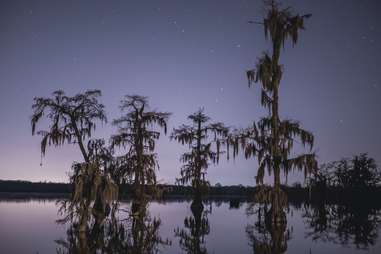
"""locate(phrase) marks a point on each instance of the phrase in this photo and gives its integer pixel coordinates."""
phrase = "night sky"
(184, 55)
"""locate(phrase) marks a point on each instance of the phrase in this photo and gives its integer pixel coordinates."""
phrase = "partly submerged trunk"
(197, 196)
(275, 149)
(276, 216)
(83, 242)
(85, 204)
(100, 208)
(84, 215)
(197, 207)
(197, 210)
(139, 211)
(277, 243)
(277, 213)
(139, 181)
(279, 239)
(138, 208)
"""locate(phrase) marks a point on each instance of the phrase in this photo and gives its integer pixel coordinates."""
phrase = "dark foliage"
(131, 233)
(349, 224)
(192, 235)
(137, 136)
(265, 238)
(201, 136)
(272, 139)
(358, 174)
(72, 119)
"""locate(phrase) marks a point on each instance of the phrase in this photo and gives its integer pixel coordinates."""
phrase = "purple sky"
(184, 55)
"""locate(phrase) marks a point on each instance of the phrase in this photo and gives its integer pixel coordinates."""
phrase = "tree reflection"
(137, 233)
(343, 224)
(196, 227)
(266, 237)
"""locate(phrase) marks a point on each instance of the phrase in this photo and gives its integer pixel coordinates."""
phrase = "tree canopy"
(137, 136)
(72, 118)
(359, 172)
(200, 137)
(272, 139)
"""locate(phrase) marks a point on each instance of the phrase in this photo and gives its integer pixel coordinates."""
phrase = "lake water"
(28, 226)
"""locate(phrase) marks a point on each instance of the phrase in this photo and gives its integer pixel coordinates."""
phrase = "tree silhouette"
(137, 136)
(200, 136)
(93, 182)
(358, 173)
(271, 140)
(137, 233)
(264, 240)
(72, 120)
(192, 236)
(350, 224)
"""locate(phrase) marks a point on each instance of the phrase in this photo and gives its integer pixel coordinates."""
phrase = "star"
(238, 45)
(183, 30)
(211, 50)
(221, 89)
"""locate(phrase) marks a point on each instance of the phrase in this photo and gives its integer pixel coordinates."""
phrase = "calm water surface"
(30, 227)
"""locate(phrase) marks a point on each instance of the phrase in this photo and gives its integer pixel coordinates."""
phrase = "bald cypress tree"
(72, 119)
(271, 139)
(200, 137)
(137, 135)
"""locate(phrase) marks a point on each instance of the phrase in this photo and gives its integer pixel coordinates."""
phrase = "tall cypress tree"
(201, 136)
(136, 133)
(271, 139)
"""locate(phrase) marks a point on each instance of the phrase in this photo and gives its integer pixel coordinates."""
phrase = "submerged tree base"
(276, 220)
(197, 207)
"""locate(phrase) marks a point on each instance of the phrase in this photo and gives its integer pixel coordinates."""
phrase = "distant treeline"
(296, 193)
(125, 189)
(39, 187)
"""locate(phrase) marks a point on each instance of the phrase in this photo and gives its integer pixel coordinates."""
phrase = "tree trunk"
(80, 141)
(276, 209)
(85, 205)
(83, 216)
(83, 243)
(197, 194)
(197, 215)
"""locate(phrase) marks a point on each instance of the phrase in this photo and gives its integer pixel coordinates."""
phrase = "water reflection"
(266, 237)
(136, 233)
(356, 224)
(196, 227)
(173, 228)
